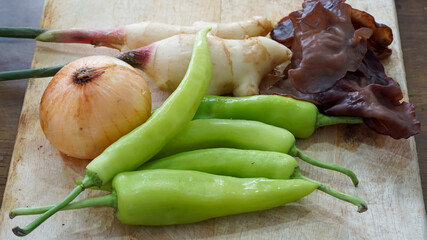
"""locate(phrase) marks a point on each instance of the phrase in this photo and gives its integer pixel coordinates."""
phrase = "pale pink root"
(113, 38)
(138, 57)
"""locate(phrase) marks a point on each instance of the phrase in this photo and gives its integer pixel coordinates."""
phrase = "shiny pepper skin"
(165, 197)
(301, 118)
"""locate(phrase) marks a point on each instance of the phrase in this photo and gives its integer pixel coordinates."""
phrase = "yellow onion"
(92, 102)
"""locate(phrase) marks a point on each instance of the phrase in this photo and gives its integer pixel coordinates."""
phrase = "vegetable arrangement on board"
(211, 156)
(151, 139)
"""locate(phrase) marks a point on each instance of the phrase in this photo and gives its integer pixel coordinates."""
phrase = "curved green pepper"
(241, 134)
(138, 146)
(165, 197)
(301, 118)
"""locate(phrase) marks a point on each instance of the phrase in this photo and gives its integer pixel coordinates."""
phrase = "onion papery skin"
(80, 118)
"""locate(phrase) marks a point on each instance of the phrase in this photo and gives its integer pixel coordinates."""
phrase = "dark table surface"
(17, 54)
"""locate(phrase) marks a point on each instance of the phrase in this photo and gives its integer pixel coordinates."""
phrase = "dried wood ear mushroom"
(353, 84)
(381, 38)
(325, 46)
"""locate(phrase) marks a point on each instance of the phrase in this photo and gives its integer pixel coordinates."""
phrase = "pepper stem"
(105, 187)
(323, 120)
(21, 32)
(30, 227)
(30, 73)
(360, 203)
(88, 181)
(294, 151)
(109, 200)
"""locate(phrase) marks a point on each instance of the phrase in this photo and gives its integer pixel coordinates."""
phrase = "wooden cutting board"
(387, 168)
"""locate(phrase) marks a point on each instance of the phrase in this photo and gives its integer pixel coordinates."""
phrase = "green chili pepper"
(301, 118)
(138, 146)
(238, 163)
(226, 161)
(165, 197)
(229, 162)
(241, 134)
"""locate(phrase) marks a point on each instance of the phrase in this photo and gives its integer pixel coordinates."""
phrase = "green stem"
(109, 200)
(105, 187)
(323, 120)
(298, 153)
(361, 205)
(30, 73)
(88, 181)
(41, 72)
(30, 227)
(21, 32)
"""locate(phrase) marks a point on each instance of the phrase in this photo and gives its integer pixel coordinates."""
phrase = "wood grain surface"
(388, 169)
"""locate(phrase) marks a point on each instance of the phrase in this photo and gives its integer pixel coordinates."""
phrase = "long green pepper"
(301, 118)
(165, 197)
(241, 134)
(138, 146)
(226, 161)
